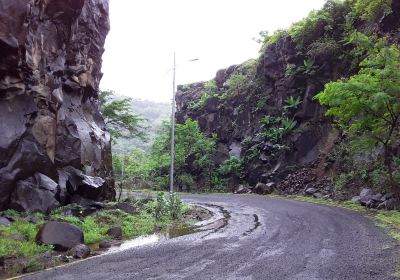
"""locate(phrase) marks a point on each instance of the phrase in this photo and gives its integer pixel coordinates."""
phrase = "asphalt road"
(254, 237)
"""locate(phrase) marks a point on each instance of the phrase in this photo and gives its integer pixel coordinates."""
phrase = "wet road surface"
(254, 237)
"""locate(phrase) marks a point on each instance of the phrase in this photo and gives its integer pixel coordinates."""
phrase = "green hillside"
(154, 113)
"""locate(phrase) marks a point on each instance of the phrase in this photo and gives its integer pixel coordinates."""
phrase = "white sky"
(145, 33)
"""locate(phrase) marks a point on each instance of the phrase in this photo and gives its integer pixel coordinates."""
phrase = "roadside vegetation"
(22, 253)
(388, 220)
(362, 99)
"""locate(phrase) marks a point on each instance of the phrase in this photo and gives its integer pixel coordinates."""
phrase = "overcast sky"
(145, 33)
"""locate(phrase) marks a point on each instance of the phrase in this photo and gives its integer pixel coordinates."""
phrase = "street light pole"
(171, 172)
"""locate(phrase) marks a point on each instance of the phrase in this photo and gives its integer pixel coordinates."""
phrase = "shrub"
(167, 206)
(236, 83)
(267, 40)
(366, 106)
(193, 151)
(324, 47)
(232, 166)
(372, 10)
(210, 90)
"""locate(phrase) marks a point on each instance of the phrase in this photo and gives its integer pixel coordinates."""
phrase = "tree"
(193, 160)
(119, 118)
(367, 106)
(135, 164)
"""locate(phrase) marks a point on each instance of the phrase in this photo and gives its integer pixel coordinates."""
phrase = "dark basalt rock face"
(236, 114)
(52, 134)
(236, 118)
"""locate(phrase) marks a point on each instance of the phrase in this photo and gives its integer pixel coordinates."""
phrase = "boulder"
(366, 200)
(29, 197)
(261, 188)
(91, 187)
(83, 187)
(105, 244)
(366, 192)
(45, 182)
(126, 207)
(84, 202)
(317, 195)
(115, 232)
(63, 236)
(310, 191)
(387, 196)
(80, 251)
(11, 218)
(377, 197)
(4, 222)
(242, 189)
(390, 204)
(32, 219)
(356, 198)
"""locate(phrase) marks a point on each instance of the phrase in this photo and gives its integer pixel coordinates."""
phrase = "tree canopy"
(194, 153)
(119, 118)
(367, 105)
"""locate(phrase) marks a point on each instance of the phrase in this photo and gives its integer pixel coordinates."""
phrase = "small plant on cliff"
(265, 39)
(307, 70)
(292, 103)
(231, 166)
(210, 90)
(236, 83)
(367, 106)
(261, 103)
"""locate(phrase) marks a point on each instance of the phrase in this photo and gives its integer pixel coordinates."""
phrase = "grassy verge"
(21, 227)
(388, 220)
(143, 222)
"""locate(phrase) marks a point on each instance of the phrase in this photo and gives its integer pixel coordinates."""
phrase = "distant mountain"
(155, 113)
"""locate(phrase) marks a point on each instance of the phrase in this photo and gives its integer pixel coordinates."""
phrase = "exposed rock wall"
(237, 116)
(244, 95)
(53, 144)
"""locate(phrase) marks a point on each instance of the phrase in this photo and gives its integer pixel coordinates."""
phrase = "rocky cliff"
(263, 110)
(54, 147)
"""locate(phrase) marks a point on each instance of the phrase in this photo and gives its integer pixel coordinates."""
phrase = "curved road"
(254, 237)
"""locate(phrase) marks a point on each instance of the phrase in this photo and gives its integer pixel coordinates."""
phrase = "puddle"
(179, 230)
(176, 230)
(171, 231)
(137, 242)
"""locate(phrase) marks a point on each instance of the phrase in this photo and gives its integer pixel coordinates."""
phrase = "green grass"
(390, 221)
(133, 225)
(94, 227)
(14, 248)
(344, 204)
